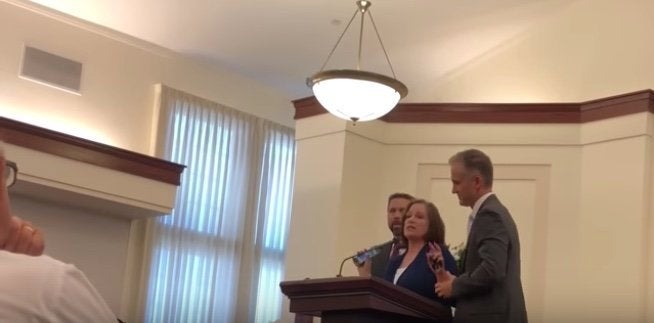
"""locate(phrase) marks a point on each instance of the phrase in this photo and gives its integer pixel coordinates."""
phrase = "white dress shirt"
(475, 209)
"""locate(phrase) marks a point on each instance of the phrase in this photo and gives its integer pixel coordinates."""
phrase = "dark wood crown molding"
(618, 105)
(593, 110)
(67, 146)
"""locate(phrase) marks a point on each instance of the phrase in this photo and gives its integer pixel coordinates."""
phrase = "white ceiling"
(282, 42)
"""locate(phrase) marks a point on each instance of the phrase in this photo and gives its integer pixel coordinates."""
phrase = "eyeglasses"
(11, 169)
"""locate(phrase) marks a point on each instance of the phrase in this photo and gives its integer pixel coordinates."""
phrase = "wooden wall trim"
(618, 105)
(484, 113)
(67, 146)
(580, 112)
(307, 107)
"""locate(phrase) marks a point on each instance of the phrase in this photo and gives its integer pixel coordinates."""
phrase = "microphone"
(360, 258)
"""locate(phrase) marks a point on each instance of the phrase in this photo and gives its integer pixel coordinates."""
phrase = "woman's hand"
(444, 278)
(435, 258)
(364, 269)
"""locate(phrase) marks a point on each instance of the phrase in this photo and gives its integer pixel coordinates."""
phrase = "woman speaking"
(422, 224)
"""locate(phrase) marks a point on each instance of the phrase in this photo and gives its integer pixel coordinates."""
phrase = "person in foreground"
(489, 288)
(35, 287)
(422, 225)
(395, 208)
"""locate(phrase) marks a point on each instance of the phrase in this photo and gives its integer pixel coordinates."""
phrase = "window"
(219, 256)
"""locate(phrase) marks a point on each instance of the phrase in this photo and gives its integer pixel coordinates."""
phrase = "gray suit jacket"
(380, 261)
(490, 289)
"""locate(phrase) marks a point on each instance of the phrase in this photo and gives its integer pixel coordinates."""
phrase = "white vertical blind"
(274, 213)
(219, 256)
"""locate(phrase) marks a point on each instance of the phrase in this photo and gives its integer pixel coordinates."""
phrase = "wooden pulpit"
(364, 300)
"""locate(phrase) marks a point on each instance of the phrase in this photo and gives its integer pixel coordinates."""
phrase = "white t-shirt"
(42, 289)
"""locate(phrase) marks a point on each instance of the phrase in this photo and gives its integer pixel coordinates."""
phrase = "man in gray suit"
(395, 208)
(489, 288)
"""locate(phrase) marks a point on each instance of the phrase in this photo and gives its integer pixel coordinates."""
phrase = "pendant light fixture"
(357, 95)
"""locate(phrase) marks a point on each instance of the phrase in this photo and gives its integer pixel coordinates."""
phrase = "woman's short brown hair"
(436, 229)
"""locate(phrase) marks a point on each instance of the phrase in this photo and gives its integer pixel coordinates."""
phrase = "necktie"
(395, 250)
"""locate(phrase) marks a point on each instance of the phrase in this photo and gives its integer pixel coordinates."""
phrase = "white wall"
(119, 73)
(648, 192)
(336, 196)
(616, 191)
(580, 194)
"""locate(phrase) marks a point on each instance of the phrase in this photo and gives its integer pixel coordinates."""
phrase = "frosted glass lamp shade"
(356, 95)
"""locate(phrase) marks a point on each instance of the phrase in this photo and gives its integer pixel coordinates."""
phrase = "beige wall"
(580, 195)
(592, 49)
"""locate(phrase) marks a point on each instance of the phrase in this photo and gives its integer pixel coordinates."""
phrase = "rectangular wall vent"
(50, 69)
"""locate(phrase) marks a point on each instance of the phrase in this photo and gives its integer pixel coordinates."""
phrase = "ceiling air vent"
(52, 70)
